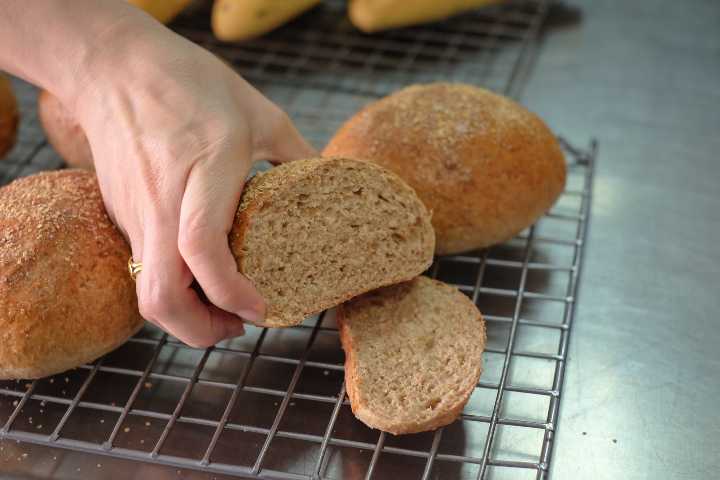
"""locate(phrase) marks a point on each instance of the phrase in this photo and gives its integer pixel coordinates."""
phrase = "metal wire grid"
(323, 50)
(167, 385)
(258, 405)
(320, 69)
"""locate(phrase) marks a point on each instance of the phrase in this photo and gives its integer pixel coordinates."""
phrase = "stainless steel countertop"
(641, 386)
(641, 383)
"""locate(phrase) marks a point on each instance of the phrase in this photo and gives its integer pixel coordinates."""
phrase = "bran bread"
(484, 165)
(63, 132)
(9, 116)
(413, 355)
(313, 233)
(65, 294)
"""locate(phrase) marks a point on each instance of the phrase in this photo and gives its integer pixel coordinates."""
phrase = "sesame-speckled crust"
(65, 295)
(9, 116)
(484, 165)
(63, 132)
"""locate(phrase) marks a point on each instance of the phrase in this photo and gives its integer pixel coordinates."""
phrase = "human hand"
(173, 133)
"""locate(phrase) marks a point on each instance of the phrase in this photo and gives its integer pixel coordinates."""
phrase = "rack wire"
(272, 404)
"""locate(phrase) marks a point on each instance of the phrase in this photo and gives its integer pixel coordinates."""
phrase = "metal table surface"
(641, 386)
(642, 77)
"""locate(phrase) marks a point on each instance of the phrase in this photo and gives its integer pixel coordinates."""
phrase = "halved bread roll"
(413, 355)
(311, 234)
(9, 116)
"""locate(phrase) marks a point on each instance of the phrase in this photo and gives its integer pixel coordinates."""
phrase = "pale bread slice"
(413, 355)
(311, 234)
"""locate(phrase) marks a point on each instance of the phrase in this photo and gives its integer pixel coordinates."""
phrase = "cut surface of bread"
(65, 294)
(413, 355)
(311, 234)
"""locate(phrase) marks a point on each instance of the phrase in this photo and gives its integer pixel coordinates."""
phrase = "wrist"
(103, 57)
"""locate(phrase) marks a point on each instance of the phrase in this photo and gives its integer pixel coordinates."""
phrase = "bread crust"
(372, 16)
(485, 166)
(9, 116)
(239, 20)
(264, 188)
(163, 11)
(65, 295)
(359, 403)
(63, 132)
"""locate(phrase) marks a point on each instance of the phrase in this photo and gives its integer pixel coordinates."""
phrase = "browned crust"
(63, 132)
(484, 165)
(357, 403)
(268, 185)
(9, 116)
(65, 295)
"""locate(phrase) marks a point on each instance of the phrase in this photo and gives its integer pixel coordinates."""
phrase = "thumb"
(279, 141)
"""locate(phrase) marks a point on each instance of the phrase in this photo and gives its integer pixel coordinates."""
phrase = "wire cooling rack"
(272, 404)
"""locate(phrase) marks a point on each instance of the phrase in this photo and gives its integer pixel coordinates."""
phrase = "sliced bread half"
(413, 355)
(311, 234)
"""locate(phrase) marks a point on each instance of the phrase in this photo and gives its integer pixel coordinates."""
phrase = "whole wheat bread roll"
(66, 297)
(63, 132)
(311, 234)
(9, 116)
(484, 165)
(413, 355)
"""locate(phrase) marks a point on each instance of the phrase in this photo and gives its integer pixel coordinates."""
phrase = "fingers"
(208, 209)
(166, 296)
(278, 141)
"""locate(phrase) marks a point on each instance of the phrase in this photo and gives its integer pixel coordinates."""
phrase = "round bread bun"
(9, 116)
(484, 165)
(66, 297)
(63, 132)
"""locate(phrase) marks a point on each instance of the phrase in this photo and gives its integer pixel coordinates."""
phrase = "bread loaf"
(65, 294)
(485, 166)
(311, 234)
(63, 132)
(413, 355)
(163, 10)
(373, 15)
(236, 20)
(9, 116)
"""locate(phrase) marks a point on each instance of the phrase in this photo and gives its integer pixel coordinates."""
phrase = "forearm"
(55, 44)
